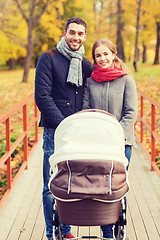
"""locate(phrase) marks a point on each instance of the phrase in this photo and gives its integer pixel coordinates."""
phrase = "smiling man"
(59, 84)
(75, 35)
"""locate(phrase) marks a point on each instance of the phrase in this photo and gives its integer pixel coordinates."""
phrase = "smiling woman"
(103, 56)
(112, 89)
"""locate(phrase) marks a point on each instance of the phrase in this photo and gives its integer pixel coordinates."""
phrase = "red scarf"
(107, 74)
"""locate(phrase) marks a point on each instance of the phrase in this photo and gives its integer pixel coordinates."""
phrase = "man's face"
(75, 36)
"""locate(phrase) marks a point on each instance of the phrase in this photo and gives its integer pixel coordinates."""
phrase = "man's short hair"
(76, 20)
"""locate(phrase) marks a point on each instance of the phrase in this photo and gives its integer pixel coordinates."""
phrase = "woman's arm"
(130, 106)
(86, 96)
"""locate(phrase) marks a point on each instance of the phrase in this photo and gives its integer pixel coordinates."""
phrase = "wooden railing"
(5, 120)
(147, 128)
(146, 123)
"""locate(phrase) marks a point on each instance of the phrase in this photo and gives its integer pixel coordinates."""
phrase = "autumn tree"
(137, 35)
(120, 47)
(51, 25)
(99, 8)
(11, 42)
(31, 12)
(82, 9)
(156, 59)
(157, 22)
(44, 21)
(144, 42)
(149, 34)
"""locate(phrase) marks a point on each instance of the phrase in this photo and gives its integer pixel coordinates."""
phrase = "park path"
(21, 216)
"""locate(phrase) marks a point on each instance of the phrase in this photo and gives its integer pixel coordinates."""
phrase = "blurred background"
(30, 27)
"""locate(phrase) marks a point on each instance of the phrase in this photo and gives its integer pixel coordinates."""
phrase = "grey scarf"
(75, 57)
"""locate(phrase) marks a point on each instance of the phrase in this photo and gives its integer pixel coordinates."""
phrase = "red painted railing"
(22, 138)
(142, 125)
(147, 128)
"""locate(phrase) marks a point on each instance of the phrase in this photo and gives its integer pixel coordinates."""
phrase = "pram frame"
(122, 218)
(57, 235)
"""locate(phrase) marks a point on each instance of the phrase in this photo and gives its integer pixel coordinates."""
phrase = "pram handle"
(96, 110)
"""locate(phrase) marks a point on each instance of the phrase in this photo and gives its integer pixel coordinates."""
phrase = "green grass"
(147, 79)
(12, 90)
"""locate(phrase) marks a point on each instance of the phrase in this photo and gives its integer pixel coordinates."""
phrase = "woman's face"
(103, 56)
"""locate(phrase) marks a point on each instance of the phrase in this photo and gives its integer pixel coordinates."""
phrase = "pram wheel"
(122, 221)
(122, 237)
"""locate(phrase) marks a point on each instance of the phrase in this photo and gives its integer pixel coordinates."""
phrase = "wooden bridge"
(21, 216)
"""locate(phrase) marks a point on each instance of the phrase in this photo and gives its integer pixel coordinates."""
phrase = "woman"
(112, 88)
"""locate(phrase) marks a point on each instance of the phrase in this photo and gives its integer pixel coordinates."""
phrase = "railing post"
(141, 115)
(9, 175)
(7, 156)
(150, 126)
(152, 137)
(25, 140)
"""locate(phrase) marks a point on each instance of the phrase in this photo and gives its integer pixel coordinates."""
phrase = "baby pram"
(89, 179)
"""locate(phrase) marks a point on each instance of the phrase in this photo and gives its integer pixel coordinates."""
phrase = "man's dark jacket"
(55, 98)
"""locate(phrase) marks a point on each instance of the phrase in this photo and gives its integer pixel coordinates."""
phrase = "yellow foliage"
(100, 16)
(13, 33)
(8, 49)
(45, 47)
(51, 20)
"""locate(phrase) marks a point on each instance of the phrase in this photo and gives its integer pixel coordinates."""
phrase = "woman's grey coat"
(118, 97)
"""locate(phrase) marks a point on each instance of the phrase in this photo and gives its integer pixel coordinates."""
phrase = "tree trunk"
(29, 52)
(95, 16)
(136, 40)
(59, 25)
(120, 48)
(100, 15)
(11, 63)
(144, 54)
(31, 22)
(156, 60)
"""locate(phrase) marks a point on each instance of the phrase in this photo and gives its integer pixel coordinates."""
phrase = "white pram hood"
(89, 134)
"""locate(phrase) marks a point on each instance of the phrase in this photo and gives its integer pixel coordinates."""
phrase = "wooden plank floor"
(21, 217)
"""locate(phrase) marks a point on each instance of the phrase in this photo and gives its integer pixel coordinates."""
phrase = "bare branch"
(37, 18)
(33, 8)
(11, 36)
(21, 10)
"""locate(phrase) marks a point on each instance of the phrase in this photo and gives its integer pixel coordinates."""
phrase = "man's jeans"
(128, 152)
(111, 230)
(48, 149)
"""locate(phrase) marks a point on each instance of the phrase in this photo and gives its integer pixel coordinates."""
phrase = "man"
(59, 83)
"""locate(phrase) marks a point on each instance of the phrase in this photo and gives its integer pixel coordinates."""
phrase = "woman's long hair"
(117, 61)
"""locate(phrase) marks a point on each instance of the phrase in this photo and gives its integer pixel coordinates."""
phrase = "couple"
(66, 82)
